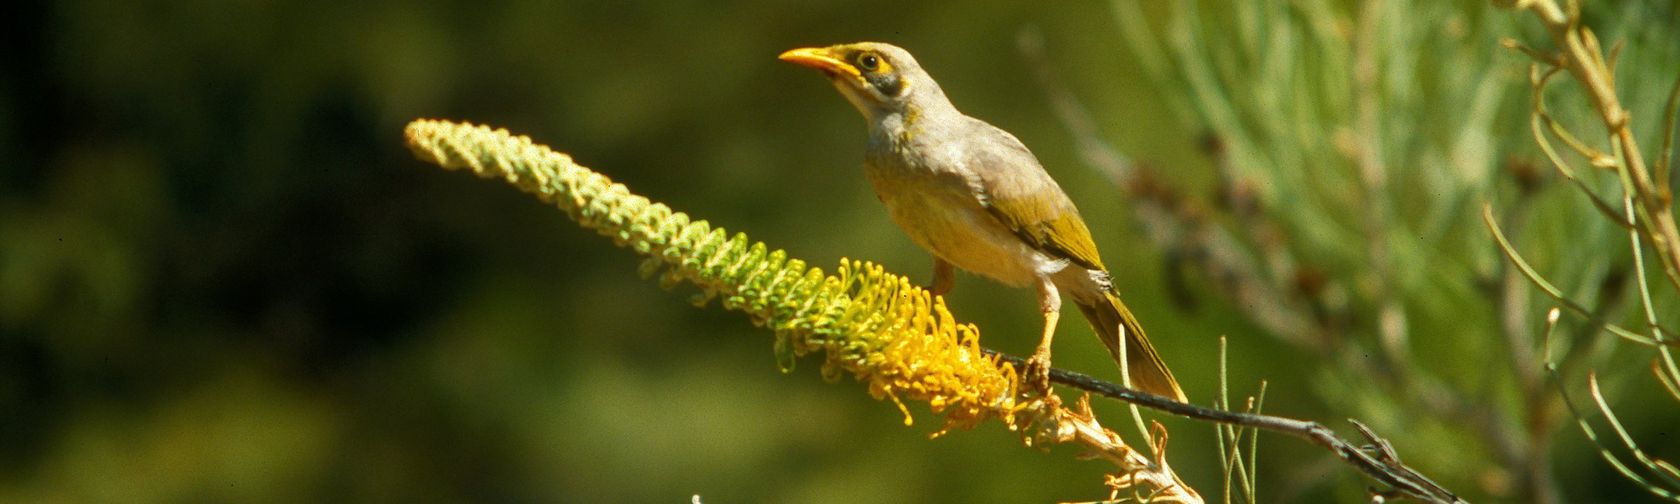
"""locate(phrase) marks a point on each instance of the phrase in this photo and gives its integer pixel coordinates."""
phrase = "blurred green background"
(223, 278)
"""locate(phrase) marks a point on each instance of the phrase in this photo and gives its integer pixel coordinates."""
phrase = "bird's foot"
(1036, 373)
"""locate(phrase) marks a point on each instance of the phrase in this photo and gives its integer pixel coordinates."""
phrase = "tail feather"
(1149, 373)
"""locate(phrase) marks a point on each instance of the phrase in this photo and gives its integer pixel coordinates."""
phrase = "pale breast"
(940, 214)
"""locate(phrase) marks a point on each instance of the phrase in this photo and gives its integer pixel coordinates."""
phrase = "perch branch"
(1376, 459)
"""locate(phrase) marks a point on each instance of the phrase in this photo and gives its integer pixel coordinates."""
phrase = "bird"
(973, 196)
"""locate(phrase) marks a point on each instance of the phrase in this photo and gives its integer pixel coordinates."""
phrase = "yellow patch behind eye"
(884, 67)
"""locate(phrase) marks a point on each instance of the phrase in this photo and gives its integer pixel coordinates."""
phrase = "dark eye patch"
(887, 83)
(878, 72)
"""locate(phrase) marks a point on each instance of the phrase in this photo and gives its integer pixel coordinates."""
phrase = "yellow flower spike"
(898, 339)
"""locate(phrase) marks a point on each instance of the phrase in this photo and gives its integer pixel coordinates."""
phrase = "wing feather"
(1014, 188)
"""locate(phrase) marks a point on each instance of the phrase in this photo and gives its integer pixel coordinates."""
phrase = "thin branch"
(1376, 459)
(1538, 81)
(1604, 451)
(1627, 440)
(1583, 57)
(1231, 461)
(1525, 448)
(1552, 290)
(1514, 315)
(1666, 154)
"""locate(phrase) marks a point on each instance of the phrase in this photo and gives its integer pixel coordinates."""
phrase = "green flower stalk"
(878, 326)
(881, 328)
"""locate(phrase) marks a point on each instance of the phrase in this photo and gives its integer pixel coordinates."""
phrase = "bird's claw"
(1036, 373)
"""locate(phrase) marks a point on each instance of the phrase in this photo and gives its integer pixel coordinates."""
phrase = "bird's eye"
(869, 62)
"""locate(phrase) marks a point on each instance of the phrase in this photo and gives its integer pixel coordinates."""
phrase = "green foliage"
(1353, 144)
(1647, 216)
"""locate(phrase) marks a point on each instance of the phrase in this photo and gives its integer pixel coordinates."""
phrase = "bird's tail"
(1148, 372)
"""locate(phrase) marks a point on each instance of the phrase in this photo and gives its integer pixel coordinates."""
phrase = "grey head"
(881, 80)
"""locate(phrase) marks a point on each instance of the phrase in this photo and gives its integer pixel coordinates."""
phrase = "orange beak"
(821, 59)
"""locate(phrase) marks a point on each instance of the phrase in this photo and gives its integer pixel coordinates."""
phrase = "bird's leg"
(943, 277)
(1037, 372)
